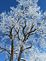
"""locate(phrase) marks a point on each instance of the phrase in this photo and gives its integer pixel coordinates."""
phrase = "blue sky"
(2, 57)
(42, 4)
(5, 6)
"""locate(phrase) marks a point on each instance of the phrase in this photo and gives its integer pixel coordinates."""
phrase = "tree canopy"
(22, 31)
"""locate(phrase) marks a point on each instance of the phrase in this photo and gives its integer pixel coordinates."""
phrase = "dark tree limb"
(4, 49)
(23, 59)
(12, 51)
(27, 48)
(29, 33)
(12, 45)
(26, 36)
(20, 53)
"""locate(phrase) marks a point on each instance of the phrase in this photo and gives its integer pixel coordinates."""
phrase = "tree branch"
(29, 33)
(27, 48)
(20, 53)
(4, 49)
(23, 59)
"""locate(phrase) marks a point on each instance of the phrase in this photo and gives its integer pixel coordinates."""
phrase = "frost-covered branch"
(28, 48)
(4, 49)
(26, 36)
(24, 25)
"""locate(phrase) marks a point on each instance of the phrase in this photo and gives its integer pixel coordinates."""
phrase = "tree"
(19, 26)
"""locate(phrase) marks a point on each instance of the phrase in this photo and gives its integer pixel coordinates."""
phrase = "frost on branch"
(25, 26)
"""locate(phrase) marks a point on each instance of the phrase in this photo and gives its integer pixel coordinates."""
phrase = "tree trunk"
(12, 45)
(12, 51)
(21, 50)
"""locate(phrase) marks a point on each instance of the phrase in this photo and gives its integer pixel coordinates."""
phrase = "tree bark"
(12, 51)
(20, 53)
(12, 45)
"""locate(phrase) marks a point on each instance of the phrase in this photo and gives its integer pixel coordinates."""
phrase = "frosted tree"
(18, 29)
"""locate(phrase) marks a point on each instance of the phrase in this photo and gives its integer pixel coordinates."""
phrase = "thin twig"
(4, 49)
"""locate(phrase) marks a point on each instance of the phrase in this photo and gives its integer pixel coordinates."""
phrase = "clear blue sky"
(42, 4)
(5, 6)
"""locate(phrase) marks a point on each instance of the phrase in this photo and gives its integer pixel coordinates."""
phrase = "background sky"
(5, 6)
(42, 4)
